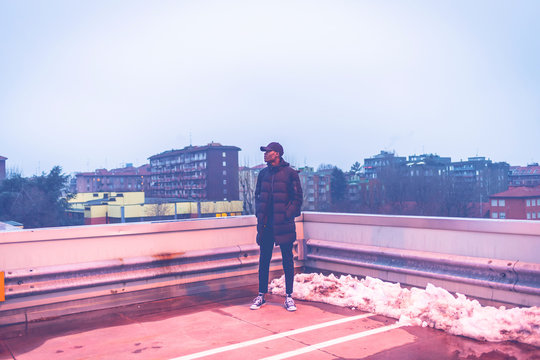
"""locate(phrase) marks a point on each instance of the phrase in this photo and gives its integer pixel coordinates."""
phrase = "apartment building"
(375, 164)
(208, 172)
(482, 175)
(524, 175)
(128, 178)
(316, 188)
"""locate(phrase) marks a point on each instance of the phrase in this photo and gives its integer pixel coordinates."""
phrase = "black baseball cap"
(273, 146)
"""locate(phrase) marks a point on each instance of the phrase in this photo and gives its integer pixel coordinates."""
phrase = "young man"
(278, 199)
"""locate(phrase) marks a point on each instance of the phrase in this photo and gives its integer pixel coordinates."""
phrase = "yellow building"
(118, 207)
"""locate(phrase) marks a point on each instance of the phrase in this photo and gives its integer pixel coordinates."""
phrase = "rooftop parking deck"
(220, 325)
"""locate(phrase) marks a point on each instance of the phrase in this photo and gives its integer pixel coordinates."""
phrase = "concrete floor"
(174, 328)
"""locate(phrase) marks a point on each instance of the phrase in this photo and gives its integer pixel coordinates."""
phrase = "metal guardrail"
(512, 276)
(23, 283)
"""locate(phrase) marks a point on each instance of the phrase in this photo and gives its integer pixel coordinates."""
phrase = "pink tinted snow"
(434, 306)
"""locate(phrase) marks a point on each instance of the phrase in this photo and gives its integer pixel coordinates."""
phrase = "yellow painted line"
(271, 337)
(2, 287)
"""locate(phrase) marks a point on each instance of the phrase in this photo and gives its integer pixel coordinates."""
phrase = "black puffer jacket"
(278, 199)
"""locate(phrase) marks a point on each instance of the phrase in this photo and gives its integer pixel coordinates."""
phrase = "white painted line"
(340, 340)
(271, 337)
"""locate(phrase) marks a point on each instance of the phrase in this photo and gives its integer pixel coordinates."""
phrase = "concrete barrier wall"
(487, 238)
(61, 265)
(492, 259)
(53, 272)
(82, 244)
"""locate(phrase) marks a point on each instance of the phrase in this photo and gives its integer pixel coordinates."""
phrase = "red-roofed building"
(129, 178)
(524, 175)
(516, 203)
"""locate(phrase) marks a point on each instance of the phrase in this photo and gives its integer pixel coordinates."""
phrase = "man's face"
(270, 156)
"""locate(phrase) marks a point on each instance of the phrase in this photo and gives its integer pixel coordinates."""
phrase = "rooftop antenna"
(190, 142)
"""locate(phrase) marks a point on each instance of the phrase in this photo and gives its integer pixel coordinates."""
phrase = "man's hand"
(258, 239)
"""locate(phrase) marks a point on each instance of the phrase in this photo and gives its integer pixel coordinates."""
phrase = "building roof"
(3, 158)
(189, 149)
(524, 170)
(519, 192)
(126, 171)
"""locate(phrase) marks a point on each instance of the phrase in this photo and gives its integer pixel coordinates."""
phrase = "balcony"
(73, 271)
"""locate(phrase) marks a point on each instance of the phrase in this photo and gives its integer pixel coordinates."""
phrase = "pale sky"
(97, 84)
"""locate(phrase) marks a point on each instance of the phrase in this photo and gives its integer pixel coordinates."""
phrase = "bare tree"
(159, 210)
(247, 179)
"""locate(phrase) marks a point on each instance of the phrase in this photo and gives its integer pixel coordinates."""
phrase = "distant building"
(207, 172)
(428, 165)
(121, 207)
(357, 187)
(316, 188)
(482, 176)
(2, 167)
(516, 203)
(524, 175)
(129, 178)
(374, 165)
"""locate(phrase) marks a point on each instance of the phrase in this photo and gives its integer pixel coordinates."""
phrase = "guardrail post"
(2, 287)
(301, 249)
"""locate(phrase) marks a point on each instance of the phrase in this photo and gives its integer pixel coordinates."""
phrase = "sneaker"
(257, 302)
(289, 304)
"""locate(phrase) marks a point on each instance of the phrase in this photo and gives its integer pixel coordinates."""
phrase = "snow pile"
(434, 307)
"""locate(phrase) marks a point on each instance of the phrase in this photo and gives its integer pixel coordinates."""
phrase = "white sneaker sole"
(254, 307)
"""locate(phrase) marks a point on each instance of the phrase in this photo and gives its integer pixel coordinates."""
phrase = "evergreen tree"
(39, 201)
(338, 185)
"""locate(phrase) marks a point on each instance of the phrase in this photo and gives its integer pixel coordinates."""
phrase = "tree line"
(37, 201)
(396, 193)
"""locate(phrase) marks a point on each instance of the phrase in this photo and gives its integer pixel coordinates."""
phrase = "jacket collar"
(282, 163)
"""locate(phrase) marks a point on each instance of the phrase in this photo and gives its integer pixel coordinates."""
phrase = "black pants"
(265, 256)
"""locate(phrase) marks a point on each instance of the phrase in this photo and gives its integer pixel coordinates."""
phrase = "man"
(278, 199)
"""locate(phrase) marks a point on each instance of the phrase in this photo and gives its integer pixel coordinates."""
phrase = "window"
(533, 202)
(502, 215)
(528, 203)
(528, 215)
(495, 215)
(224, 172)
(224, 191)
(501, 202)
(494, 202)
(224, 163)
(225, 182)
(224, 154)
(534, 215)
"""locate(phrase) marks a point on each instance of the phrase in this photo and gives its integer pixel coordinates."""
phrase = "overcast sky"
(97, 84)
